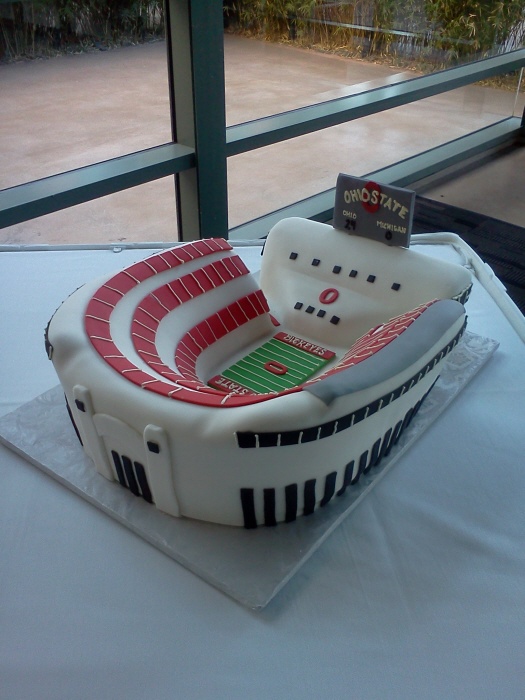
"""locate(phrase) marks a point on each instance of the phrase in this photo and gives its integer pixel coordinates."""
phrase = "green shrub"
(45, 27)
(481, 26)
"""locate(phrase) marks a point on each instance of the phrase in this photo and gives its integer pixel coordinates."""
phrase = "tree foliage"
(482, 25)
(448, 29)
(43, 27)
(453, 28)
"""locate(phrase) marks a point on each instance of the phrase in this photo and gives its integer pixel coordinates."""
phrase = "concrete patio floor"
(66, 112)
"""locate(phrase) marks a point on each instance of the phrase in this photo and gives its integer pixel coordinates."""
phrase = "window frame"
(197, 157)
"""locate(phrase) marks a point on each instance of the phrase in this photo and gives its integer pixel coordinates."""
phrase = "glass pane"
(284, 173)
(301, 53)
(78, 103)
(140, 214)
(519, 103)
(264, 78)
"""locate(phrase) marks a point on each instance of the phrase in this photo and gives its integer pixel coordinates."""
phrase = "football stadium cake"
(221, 398)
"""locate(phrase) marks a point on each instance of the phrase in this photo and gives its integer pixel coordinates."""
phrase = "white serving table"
(419, 593)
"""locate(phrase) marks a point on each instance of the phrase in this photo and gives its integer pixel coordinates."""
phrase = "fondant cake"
(220, 398)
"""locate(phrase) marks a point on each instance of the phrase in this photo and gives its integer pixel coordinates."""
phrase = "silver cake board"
(251, 566)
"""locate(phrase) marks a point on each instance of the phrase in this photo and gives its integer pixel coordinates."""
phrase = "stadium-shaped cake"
(217, 397)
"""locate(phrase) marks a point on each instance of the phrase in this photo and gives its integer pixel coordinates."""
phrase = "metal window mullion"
(47, 195)
(196, 74)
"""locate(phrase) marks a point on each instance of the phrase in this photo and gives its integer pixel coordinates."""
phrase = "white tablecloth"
(420, 593)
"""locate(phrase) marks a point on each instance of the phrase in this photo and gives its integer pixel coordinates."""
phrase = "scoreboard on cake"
(381, 212)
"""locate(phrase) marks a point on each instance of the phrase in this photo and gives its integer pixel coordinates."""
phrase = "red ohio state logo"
(275, 367)
(328, 296)
(371, 197)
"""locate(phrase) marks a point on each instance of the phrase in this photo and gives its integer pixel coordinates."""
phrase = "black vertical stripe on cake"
(368, 463)
(268, 439)
(385, 444)
(326, 430)
(390, 441)
(130, 475)
(118, 468)
(269, 507)
(143, 482)
(349, 470)
(309, 434)
(397, 432)
(415, 409)
(374, 457)
(329, 488)
(309, 497)
(344, 422)
(70, 414)
(407, 418)
(361, 467)
(247, 439)
(291, 437)
(248, 508)
(417, 406)
(290, 495)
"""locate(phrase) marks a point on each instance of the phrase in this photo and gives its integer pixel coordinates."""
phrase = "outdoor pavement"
(66, 112)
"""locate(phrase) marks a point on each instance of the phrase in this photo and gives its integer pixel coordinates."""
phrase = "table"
(418, 594)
